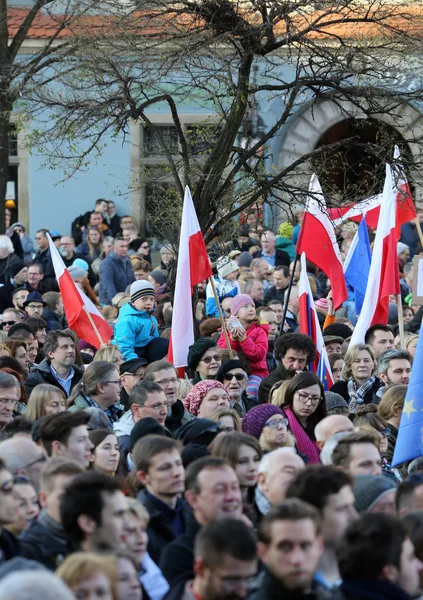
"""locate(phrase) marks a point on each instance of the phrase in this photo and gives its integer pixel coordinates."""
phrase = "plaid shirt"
(113, 412)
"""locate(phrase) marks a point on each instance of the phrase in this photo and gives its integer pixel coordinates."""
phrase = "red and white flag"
(193, 268)
(77, 304)
(406, 211)
(318, 240)
(309, 324)
(383, 275)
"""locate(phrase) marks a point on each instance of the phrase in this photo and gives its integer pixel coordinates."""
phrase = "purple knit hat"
(256, 418)
(240, 301)
(195, 397)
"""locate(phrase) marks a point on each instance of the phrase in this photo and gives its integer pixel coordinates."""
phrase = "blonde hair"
(227, 412)
(4, 348)
(277, 394)
(410, 338)
(106, 353)
(40, 396)
(351, 355)
(184, 387)
(289, 442)
(392, 399)
(139, 511)
(82, 566)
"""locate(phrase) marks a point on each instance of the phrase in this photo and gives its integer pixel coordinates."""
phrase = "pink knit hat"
(322, 304)
(195, 397)
(240, 301)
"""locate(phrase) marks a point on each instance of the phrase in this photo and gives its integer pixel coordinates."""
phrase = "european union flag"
(357, 265)
(410, 435)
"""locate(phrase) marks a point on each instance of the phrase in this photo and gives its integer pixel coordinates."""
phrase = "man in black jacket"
(289, 546)
(159, 467)
(268, 251)
(234, 377)
(45, 540)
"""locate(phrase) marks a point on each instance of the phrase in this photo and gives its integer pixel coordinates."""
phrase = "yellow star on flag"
(409, 408)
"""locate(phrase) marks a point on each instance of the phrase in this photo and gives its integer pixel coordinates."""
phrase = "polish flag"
(77, 305)
(309, 324)
(318, 240)
(193, 268)
(406, 211)
(383, 275)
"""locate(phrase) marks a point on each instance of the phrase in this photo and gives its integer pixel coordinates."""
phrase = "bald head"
(328, 426)
(19, 452)
(276, 471)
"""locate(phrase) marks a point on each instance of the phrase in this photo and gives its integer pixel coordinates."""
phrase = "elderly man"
(22, 456)
(233, 374)
(328, 426)
(268, 251)
(255, 290)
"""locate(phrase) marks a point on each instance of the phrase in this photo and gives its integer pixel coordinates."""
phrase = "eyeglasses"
(7, 487)
(10, 323)
(35, 306)
(210, 359)
(133, 374)
(167, 381)
(385, 432)
(276, 423)
(41, 459)
(304, 398)
(116, 381)
(230, 376)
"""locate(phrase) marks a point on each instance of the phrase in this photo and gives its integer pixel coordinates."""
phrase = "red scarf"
(304, 444)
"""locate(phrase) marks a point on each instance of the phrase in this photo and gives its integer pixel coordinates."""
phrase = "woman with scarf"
(359, 383)
(304, 406)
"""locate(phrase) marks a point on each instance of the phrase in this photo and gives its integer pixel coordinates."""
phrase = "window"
(152, 146)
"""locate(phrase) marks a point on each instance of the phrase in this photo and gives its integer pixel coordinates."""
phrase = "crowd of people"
(123, 478)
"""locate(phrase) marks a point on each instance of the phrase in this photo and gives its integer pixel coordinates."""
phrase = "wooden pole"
(222, 320)
(419, 231)
(94, 326)
(401, 321)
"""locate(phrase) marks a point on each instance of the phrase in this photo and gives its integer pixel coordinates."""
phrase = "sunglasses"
(238, 376)
(10, 323)
(210, 359)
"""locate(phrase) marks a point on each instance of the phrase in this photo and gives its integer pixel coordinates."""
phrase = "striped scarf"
(357, 394)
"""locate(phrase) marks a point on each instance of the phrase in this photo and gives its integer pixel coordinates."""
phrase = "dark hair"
(98, 435)
(413, 522)
(52, 339)
(8, 362)
(140, 391)
(149, 446)
(274, 302)
(35, 323)
(297, 341)
(333, 358)
(37, 264)
(316, 483)
(370, 333)
(367, 415)
(59, 427)
(225, 537)
(283, 268)
(342, 450)
(195, 468)
(154, 367)
(19, 329)
(405, 491)
(18, 425)
(45, 231)
(299, 382)
(228, 446)
(290, 510)
(84, 495)
(371, 543)
(18, 290)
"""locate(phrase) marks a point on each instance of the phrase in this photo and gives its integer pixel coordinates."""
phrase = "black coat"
(177, 559)
(267, 587)
(279, 374)
(40, 544)
(42, 374)
(372, 589)
(341, 388)
(9, 546)
(281, 258)
(160, 530)
(53, 320)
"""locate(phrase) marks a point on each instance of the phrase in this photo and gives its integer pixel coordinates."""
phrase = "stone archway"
(302, 134)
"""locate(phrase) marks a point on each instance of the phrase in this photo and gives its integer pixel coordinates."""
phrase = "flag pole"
(222, 320)
(291, 282)
(419, 231)
(401, 321)
(94, 326)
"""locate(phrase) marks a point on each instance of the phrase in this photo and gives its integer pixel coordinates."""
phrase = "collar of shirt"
(273, 255)
(57, 376)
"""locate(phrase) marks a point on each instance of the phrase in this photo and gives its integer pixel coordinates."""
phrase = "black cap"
(131, 366)
(143, 427)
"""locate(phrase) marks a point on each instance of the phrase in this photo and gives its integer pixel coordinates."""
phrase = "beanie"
(198, 348)
(245, 259)
(228, 366)
(77, 272)
(80, 262)
(143, 427)
(286, 230)
(322, 304)
(256, 418)
(158, 276)
(334, 400)
(141, 288)
(239, 301)
(369, 489)
(338, 329)
(225, 266)
(195, 397)
(15, 267)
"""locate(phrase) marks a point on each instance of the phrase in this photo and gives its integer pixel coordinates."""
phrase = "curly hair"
(297, 341)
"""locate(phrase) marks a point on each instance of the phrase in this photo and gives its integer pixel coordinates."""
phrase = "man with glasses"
(233, 374)
(35, 278)
(10, 394)
(9, 545)
(34, 305)
(22, 456)
(9, 318)
(131, 372)
(164, 374)
(146, 399)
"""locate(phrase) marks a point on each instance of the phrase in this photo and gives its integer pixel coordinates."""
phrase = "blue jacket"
(115, 276)
(135, 328)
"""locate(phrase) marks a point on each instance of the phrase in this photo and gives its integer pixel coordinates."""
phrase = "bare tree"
(233, 57)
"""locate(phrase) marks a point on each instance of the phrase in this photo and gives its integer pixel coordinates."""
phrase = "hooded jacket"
(115, 276)
(254, 347)
(134, 329)
(42, 374)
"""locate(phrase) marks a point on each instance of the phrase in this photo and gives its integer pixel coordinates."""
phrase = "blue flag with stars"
(410, 434)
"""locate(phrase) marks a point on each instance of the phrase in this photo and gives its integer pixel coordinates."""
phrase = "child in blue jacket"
(136, 331)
